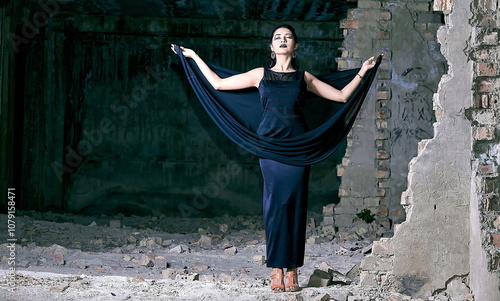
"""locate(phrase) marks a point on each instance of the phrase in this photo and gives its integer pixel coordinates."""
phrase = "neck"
(283, 63)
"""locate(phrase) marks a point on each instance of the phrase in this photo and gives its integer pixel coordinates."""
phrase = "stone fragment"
(259, 259)
(322, 297)
(58, 258)
(171, 273)
(127, 257)
(329, 210)
(336, 276)
(208, 278)
(93, 224)
(79, 264)
(187, 277)
(329, 231)
(367, 249)
(223, 228)
(328, 221)
(160, 262)
(179, 249)
(144, 260)
(147, 242)
(312, 240)
(138, 279)
(339, 278)
(166, 242)
(252, 242)
(132, 239)
(295, 298)
(319, 278)
(76, 284)
(225, 277)
(115, 223)
(230, 250)
(205, 240)
(58, 288)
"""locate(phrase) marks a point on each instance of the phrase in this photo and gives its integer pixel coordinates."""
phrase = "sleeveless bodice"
(281, 96)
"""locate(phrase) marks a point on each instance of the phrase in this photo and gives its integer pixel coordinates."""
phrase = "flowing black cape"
(238, 114)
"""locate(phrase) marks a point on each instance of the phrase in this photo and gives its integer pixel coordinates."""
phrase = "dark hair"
(272, 61)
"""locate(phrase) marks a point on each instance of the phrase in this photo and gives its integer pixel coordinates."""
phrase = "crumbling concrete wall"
(447, 245)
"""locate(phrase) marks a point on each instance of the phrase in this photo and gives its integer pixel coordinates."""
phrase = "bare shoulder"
(257, 74)
(308, 76)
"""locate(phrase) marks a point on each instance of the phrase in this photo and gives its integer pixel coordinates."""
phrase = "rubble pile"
(145, 257)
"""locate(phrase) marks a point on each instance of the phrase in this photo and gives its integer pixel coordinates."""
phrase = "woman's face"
(283, 42)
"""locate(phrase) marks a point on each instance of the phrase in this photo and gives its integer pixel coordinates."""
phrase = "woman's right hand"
(189, 53)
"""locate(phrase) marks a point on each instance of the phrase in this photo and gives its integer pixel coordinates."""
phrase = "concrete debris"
(145, 260)
(160, 262)
(259, 259)
(223, 228)
(59, 288)
(225, 277)
(179, 249)
(187, 277)
(325, 275)
(78, 264)
(230, 250)
(212, 251)
(172, 273)
(319, 279)
(323, 297)
(311, 240)
(147, 242)
(205, 240)
(58, 258)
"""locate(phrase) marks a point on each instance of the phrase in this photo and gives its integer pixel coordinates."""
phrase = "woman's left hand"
(369, 63)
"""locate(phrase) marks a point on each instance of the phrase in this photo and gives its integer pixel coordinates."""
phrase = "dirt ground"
(73, 257)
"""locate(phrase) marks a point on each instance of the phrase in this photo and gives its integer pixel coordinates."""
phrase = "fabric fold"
(238, 114)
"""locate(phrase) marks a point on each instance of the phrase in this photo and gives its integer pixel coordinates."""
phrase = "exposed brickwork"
(369, 13)
(485, 119)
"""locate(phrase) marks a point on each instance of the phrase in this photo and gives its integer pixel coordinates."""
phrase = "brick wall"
(399, 112)
(485, 54)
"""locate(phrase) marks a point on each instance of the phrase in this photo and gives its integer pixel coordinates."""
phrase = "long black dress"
(285, 186)
(274, 129)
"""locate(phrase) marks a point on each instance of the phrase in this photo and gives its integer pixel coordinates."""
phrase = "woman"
(281, 88)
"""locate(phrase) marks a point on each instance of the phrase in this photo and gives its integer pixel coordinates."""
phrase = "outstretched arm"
(324, 90)
(239, 81)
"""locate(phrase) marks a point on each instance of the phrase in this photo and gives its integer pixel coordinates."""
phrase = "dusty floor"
(72, 257)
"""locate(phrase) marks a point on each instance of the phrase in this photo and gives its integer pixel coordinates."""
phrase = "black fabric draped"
(238, 114)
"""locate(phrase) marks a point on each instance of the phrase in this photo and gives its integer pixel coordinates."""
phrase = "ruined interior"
(122, 188)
